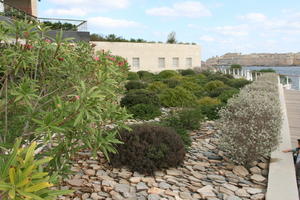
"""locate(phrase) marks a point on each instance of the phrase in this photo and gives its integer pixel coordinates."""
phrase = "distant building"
(154, 57)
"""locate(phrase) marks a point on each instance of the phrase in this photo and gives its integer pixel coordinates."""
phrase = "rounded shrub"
(145, 75)
(165, 74)
(177, 97)
(133, 85)
(212, 85)
(148, 148)
(133, 76)
(238, 83)
(171, 83)
(157, 87)
(218, 91)
(193, 87)
(227, 94)
(187, 72)
(251, 122)
(140, 96)
(184, 120)
(210, 107)
(235, 66)
(145, 111)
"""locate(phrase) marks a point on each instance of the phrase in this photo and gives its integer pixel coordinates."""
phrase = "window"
(189, 62)
(176, 62)
(136, 63)
(161, 62)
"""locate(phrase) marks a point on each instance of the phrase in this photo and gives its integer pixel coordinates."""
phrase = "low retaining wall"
(282, 183)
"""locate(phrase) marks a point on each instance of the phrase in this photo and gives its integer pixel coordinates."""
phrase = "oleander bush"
(157, 87)
(56, 92)
(177, 97)
(145, 111)
(148, 148)
(133, 76)
(251, 121)
(134, 85)
(140, 96)
(22, 176)
(210, 107)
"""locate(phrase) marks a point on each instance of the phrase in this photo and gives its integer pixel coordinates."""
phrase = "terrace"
(11, 9)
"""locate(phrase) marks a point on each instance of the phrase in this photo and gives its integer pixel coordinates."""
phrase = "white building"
(154, 57)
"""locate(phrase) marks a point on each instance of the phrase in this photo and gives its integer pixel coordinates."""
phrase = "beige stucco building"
(28, 6)
(154, 57)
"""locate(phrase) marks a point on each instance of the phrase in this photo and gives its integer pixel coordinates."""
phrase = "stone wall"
(262, 59)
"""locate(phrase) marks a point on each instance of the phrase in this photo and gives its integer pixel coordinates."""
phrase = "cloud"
(190, 9)
(62, 12)
(236, 31)
(97, 4)
(207, 38)
(82, 7)
(254, 17)
(105, 22)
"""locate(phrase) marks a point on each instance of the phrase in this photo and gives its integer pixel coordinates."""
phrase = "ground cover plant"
(58, 93)
(251, 121)
(148, 148)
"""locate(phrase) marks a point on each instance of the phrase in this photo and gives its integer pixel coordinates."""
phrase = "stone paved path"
(292, 99)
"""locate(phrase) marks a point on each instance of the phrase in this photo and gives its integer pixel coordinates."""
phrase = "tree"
(172, 38)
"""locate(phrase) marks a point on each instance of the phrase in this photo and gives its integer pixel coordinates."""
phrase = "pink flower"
(28, 46)
(96, 58)
(47, 40)
(77, 97)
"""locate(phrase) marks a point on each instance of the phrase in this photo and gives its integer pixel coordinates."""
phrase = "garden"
(77, 124)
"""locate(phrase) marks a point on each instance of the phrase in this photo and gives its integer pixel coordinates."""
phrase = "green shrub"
(139, 97)
(57, 91)
(149, 148)
(166, 74)
(212, 85)
(227, 94)
(177, 97)
(145, 75)
(251, 122)
(210, 107)
(133, 76)
(219, 77)
(187, 72)
(193, 87)
(182, 121)
(145, 111)
(267, 70)
(235, 66)
(238, 83)
(218, 91)
(171, 83)
(134, 85)
(22, 176)
(157, 87)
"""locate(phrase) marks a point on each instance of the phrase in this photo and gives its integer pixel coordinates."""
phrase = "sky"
(219, 26)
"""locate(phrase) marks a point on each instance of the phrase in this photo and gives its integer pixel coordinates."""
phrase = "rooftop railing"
(13, 12)
(65, 24)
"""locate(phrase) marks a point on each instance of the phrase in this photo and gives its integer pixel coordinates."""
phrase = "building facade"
(28, 6)
(154, 57)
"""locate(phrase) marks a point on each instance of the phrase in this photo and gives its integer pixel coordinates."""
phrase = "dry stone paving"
(205, 174)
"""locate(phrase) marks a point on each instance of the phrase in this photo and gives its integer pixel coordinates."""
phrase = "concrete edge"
(282, 184)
